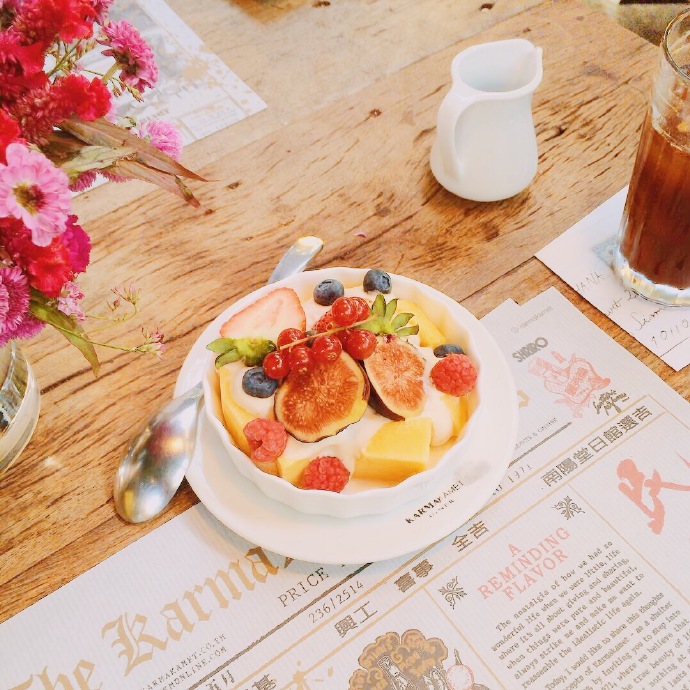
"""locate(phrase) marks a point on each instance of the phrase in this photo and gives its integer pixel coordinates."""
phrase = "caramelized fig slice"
(323, 401)
(395, 372)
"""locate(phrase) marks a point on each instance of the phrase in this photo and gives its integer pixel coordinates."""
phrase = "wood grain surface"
(352, 88)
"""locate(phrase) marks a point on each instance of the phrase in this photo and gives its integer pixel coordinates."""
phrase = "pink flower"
(101, 8)
(34, 190)
(84, 181)
(14, 304)
(163, 135)
(69, 299)
(132, 53)
(78, 245)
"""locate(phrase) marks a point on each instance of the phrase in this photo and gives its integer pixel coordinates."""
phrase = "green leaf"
(75, 334)
(379, 306)
(408, 330)
(221, 345)
(250, 350)
(94, 157)
(135, 170)
(104, 133)
(227, 358)
(401, 320)
(390, 309)
(253, 350)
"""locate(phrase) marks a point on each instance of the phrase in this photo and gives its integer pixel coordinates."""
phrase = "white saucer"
(243, 508)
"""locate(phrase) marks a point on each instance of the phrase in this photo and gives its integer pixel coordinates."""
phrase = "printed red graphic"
(636, 485)
(574, 379)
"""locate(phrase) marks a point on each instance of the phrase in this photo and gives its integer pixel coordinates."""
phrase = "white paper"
(581, 257)
(574, 577)
(196, 91)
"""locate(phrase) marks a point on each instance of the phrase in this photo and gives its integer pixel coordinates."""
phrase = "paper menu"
(582, 256)
(574, 576)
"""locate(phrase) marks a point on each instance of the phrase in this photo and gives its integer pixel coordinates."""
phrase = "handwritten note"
(582, 257)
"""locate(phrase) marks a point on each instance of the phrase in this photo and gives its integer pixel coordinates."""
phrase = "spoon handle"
(296, 258)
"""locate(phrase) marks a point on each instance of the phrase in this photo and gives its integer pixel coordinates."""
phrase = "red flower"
(40, 110)
(48, 268)
(38, 21)
(88, 99)
(9, 132)
(21, 67)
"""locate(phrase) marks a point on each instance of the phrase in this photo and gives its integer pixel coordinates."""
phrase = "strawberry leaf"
(401, 320)
(250, 350)
(379, 306)
(408, 330)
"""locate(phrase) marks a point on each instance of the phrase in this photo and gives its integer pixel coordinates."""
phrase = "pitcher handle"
(449, 113)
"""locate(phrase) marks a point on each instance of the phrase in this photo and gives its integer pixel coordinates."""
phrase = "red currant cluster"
(297, 351)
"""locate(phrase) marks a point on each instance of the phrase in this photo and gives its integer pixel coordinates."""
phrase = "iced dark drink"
(653, 255)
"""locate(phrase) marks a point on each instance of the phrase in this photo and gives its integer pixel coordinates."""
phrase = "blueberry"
(448, 349)
(257, 384)
(328, 291)
(376, 280)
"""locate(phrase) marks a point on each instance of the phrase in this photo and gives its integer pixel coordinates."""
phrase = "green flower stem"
(87, 339)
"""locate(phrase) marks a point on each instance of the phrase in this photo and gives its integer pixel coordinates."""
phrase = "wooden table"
(352, 88)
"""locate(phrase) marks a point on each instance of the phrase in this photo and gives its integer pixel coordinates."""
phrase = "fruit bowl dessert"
(345, 392)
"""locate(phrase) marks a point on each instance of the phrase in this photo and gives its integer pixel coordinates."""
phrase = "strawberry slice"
(267, 317)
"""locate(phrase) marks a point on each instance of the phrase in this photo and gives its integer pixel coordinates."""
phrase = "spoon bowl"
(157, 457)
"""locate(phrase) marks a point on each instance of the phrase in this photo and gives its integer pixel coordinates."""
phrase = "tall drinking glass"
(653, 253)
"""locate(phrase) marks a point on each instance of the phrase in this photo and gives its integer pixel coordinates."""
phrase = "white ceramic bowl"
(359, 499)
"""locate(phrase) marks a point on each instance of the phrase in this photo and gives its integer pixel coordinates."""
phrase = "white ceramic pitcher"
(485, 147)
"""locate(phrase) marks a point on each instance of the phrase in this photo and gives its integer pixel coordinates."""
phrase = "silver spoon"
(158, 455)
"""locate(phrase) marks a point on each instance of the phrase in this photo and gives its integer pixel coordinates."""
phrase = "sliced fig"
(323, 401)
(395, 372)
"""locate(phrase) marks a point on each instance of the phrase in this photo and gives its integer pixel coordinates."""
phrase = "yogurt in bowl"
(386, 417)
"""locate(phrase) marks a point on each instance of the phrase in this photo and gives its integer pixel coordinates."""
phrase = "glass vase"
(20, 403)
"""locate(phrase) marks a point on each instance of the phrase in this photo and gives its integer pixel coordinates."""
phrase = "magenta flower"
(78, 245)
(163, 135)
(101, 8)
(15, 320)
(69, 301)
(35, 191)
(132, 53)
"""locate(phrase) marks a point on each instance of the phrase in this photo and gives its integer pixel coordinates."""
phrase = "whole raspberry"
(327, 473)
(454, 374)
(267, 439)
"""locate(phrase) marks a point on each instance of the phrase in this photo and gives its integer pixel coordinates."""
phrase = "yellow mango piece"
(235, 417)
(458, 410)
(396, 451)
(429, 334)
(291, 469)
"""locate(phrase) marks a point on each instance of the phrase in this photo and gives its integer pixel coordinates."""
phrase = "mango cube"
(397, 450)
(291, 469)
(429, 334)
(458, 410)
(235, 417)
